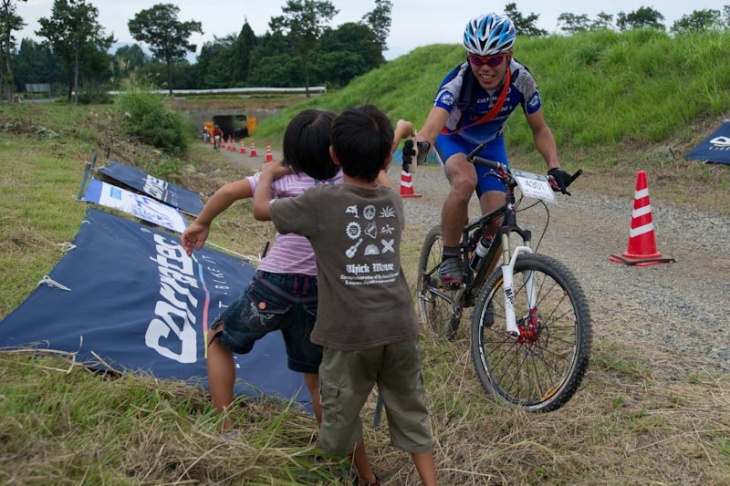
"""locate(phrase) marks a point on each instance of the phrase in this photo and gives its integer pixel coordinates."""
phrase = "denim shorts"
(275, 302)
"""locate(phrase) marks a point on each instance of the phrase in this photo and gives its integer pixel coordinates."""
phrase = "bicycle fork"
(508, 287)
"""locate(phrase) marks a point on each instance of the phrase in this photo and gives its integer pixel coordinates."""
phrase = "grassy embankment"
(616, 103)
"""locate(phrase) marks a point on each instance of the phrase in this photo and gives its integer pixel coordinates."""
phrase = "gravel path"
(678, 307)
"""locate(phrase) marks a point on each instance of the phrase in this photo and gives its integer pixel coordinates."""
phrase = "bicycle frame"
(530, 333)
(508, 256)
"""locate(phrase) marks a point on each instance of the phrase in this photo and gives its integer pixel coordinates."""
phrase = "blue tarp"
(140, 304)
(715, 148)
(178, 197)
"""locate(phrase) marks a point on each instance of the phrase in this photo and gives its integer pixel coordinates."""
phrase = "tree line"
(301, 48)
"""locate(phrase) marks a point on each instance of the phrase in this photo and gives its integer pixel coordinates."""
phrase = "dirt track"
(677, 311)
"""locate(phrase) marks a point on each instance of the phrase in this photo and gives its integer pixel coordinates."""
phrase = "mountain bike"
(531, 331)
(217, 143)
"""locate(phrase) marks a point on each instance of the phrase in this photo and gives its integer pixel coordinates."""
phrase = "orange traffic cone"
(406, 185)
(269, 155)
(253, 149)
(243, 147)
(642, 250)
(231, 145)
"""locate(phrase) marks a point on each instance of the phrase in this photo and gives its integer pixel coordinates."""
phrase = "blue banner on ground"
(186, 201)
(715, 148)
(128, 295)
(142, 207)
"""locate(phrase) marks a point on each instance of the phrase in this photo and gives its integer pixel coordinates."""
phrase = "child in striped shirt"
(283, 294)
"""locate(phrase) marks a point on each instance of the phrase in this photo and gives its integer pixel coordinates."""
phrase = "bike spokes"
(540, 368)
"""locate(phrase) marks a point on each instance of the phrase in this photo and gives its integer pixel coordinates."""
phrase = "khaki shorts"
(348, 377)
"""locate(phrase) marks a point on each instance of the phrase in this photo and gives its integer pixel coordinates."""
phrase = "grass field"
(636, 419)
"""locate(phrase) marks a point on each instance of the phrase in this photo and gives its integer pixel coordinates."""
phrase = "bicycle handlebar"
(504, 173)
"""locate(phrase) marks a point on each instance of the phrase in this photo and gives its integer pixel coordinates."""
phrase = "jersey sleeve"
(448, 92)
(525, 83)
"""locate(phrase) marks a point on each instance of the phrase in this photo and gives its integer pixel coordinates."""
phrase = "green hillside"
(598, 88)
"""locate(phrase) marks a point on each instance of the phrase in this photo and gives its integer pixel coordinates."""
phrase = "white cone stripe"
(641, 230)
(641, 193)
(638, 212)
(406, 184)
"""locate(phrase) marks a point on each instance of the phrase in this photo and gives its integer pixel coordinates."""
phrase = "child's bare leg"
(221, 377)
(312, 382)
(425, 467)
(362, 464)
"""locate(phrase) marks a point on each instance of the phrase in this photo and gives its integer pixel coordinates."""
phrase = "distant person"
(366, 323)
(217, 136)
(472, 106)
(283, 293)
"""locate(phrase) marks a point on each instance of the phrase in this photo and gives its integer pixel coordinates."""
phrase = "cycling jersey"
(467, 102)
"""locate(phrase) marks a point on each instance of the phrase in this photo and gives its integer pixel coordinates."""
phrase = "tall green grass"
(598, 88)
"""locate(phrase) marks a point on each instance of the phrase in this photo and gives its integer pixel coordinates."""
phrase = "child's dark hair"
(362, 138)
(307, 142)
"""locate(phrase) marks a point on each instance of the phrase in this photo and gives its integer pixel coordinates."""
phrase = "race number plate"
(534, 185)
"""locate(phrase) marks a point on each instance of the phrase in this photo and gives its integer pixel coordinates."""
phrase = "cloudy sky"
(414, 22)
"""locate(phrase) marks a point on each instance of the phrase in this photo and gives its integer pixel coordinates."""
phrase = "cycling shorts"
(448, 145)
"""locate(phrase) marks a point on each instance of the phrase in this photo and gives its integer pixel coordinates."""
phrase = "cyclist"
(472, 106)
(217, 135)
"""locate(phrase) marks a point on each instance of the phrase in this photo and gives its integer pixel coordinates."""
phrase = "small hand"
(276, 169)
(194, 236)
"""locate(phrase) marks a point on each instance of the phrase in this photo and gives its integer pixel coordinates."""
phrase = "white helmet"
(489, 34)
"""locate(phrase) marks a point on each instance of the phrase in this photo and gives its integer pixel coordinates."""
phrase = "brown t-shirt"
(364, 300)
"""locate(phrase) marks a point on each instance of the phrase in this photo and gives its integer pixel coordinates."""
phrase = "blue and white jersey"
(467, 102)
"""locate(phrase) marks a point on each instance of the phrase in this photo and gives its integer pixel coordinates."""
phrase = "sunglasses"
(491, 61)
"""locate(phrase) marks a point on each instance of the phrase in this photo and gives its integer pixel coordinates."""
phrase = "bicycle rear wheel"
(541, 369)
(434, 303)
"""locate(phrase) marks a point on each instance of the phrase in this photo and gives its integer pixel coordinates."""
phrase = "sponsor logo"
(172, 331)
(447, 99)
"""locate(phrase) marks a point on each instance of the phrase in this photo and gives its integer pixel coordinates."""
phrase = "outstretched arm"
(194, 236)
(432, 127)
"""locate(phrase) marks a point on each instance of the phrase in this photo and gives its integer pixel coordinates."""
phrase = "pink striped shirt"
(291, 253)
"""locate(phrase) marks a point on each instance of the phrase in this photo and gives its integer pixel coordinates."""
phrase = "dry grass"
(642, 415)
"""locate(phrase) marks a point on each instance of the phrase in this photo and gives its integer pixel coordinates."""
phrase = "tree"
(35, 63)
(272, 64)
(8, 23)
(167, 37)
(603, 21)
(524, 25)
(214, 70)
(639, 19)
(707, 19)
(75, 37)
(303, 23)
(572, 24)
(346, 52)
(378, 20)
(242, 47)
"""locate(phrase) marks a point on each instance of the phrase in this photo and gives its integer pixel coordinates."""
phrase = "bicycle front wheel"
(435, 304)
(541, 369)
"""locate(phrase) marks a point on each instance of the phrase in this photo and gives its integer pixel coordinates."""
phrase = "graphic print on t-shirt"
(375, 261)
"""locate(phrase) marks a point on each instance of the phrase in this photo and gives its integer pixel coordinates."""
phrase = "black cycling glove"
(562, 179)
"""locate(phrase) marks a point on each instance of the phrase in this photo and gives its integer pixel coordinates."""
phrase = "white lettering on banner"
(175, 312)
(720, 142)
(155, 187)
